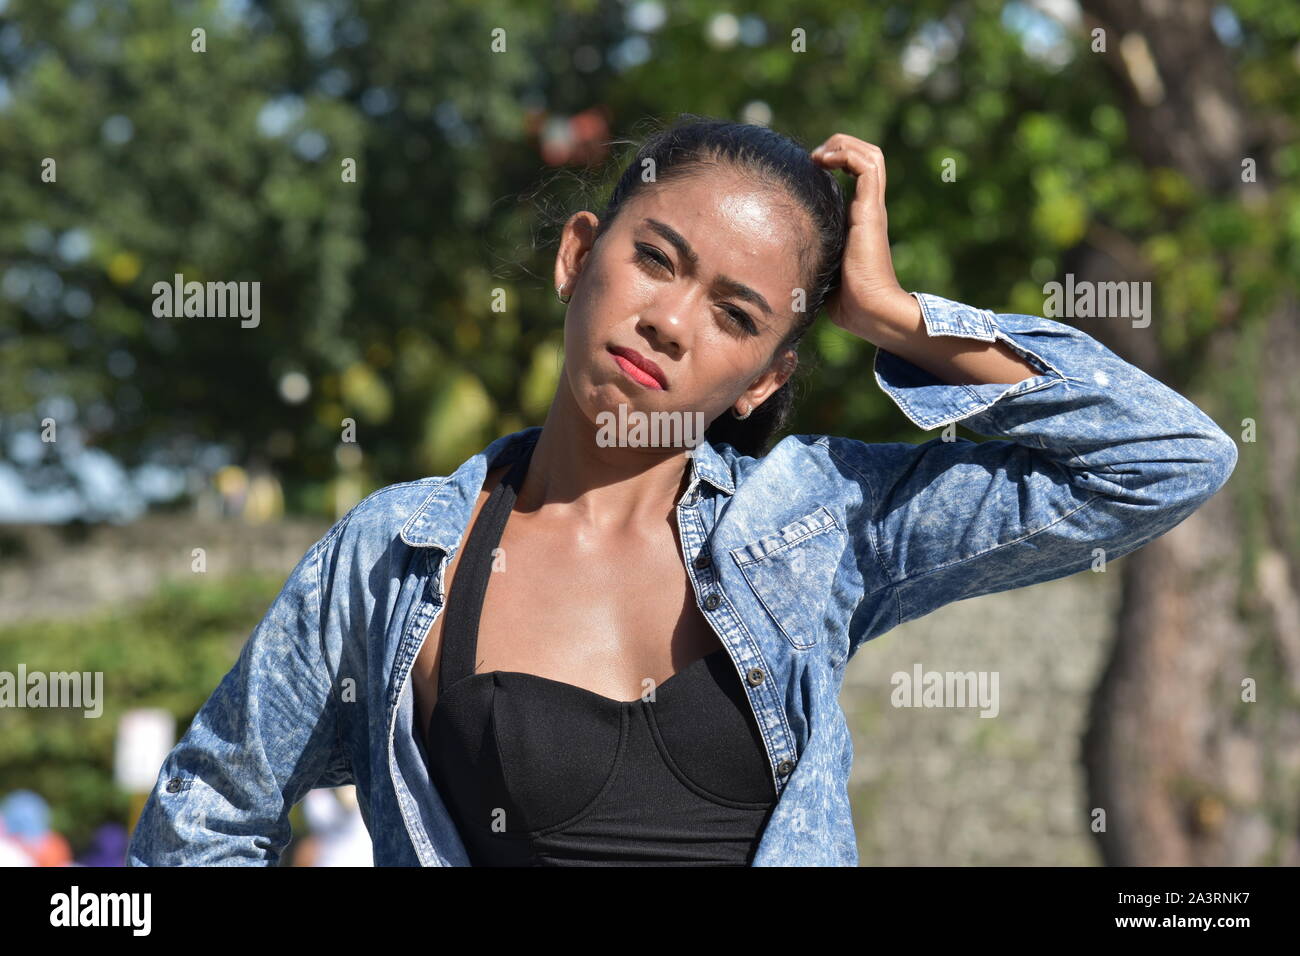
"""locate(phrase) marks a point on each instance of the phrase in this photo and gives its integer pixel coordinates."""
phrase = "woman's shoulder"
(796, 460)
(419, 511)
(377, 519)
(792, 448)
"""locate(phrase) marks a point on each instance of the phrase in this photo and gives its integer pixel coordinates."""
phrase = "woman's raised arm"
(1091, 458)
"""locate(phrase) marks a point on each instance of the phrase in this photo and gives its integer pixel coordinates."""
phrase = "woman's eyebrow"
(729, 285)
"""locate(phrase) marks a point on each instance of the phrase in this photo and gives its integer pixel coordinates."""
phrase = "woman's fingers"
(857, 157)
(869, 169)
(869, 287)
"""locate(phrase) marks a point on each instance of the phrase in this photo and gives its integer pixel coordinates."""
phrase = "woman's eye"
(740, 319)
(652, 256)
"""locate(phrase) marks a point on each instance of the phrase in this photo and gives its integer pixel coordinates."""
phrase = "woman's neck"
(607, 489)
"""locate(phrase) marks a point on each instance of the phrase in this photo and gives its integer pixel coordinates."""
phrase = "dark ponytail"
(693, 142)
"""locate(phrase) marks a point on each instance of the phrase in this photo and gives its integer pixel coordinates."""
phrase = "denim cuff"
(929, 402)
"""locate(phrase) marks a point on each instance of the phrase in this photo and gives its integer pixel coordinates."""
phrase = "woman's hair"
(693, 145)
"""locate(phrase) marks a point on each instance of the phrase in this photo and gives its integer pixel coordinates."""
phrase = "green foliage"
(170, 651)
(381, 291)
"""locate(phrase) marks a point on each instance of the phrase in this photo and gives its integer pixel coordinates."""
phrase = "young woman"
(582, 651)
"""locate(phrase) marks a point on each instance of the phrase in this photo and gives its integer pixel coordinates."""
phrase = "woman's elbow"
(1216, 458)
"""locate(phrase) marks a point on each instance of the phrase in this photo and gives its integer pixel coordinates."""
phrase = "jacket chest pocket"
(790, 572)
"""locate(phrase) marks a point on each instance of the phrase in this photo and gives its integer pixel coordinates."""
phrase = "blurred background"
(394, 175)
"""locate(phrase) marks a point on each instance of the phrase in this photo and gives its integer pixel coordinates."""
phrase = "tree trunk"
(1187, 772)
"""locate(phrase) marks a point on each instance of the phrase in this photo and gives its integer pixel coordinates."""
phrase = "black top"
(538, 772)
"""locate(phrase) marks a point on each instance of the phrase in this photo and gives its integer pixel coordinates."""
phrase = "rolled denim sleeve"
(266, 735)
(1091, 457)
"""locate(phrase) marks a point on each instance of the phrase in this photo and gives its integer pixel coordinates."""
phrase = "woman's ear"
(792, 363)
(784, 367)
(577, 239)
(771, 380)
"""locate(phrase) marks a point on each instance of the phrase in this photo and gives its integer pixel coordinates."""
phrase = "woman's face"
(697, 276)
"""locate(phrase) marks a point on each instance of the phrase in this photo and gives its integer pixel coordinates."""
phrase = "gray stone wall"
(51, 571)
(947, 787)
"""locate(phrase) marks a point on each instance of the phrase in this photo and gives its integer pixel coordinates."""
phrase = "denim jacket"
(797, 559)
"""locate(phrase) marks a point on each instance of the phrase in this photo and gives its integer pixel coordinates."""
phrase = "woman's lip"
(639, 368)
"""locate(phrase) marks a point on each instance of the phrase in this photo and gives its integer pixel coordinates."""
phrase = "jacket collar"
(442, 518)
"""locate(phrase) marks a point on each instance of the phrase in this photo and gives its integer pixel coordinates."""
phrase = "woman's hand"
(869, 299)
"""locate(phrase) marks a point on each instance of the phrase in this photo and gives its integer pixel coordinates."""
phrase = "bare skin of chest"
(598, 614)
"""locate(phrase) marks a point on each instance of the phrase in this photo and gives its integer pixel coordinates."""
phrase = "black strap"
(474, 569)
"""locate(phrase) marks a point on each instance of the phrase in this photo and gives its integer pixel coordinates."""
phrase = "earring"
(740, 418)
(559, 294)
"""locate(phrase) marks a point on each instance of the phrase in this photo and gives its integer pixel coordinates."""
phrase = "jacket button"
(174, 785)
(784, 767)
(756, 676)
(702, 560)
(712, 601)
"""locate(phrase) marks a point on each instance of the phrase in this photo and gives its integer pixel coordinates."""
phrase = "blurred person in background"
(27, 824)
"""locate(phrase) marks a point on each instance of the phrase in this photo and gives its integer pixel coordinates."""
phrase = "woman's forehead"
(737, 223)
